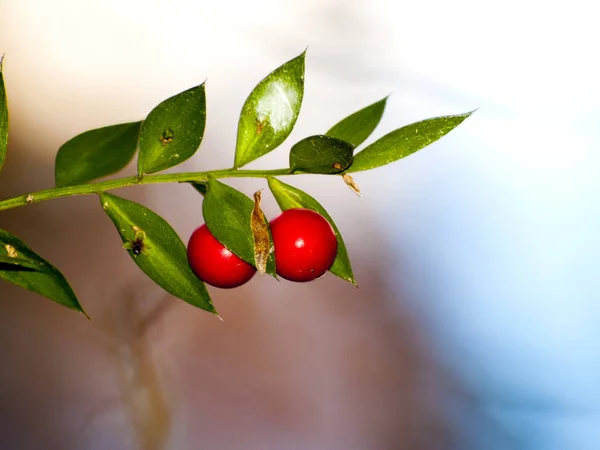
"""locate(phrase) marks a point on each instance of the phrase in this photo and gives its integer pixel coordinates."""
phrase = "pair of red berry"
(305, 248)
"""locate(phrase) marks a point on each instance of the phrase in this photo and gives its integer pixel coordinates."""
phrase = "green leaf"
(96, 153)
(22, 266)
(270, 112)
(227, 213)
(173, 131)
(358, 126)
(321, 154)
(289, 197)
(157, 250)
(3, 118)
(405, 141)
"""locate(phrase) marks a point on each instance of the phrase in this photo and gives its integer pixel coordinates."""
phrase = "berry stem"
(97, 188)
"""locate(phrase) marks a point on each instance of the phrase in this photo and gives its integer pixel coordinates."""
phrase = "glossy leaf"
(270, 112)
(358, 126)
(173, 131)
(96, 153)
(3, 119)
(404, 141)
(321, 154)
(157, 249)
(227, 213)
(288, 197)
(22, 266)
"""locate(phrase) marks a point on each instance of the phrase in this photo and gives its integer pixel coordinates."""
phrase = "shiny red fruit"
(214, 264)
(305, 244)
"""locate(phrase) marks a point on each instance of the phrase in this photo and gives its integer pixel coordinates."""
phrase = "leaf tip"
(2, 61)
(383, 103)
(210, 307)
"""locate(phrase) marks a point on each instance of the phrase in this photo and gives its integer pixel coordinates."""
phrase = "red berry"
(214, 264)
(305, 244)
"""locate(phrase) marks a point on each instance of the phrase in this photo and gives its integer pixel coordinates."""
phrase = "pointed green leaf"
(96, 153)
(404, 141)
(227, 213)
(321, 154)
(32, 272)
(289, 197)
(157, 250)
(3, 118)
(173, 131)
(358, 126)
(270, 112)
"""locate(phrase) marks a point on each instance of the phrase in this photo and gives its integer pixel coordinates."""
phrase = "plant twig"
(97, 188)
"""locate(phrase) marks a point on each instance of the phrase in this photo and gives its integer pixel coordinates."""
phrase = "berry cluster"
(304, 243)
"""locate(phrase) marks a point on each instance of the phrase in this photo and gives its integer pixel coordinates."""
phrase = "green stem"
(96, 188)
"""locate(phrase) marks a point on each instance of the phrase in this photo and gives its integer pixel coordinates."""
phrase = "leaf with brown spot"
(22, 266)
(321, 154)
(270, 112)
(157, 249)
(173, 131)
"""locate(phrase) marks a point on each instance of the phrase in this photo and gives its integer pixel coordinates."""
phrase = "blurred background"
(476, 322)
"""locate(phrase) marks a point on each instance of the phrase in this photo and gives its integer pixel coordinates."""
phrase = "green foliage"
(227, 213)
(289, 197)
(96, 153)
(22, 266)
(405, 141)
(173, 131)
(157, 249)
(270, 112)
(321, 154)
(3, 118)
(358, 126)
